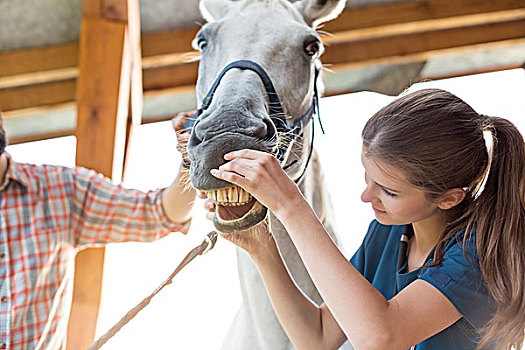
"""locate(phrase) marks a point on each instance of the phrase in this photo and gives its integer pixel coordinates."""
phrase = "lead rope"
(203, 248)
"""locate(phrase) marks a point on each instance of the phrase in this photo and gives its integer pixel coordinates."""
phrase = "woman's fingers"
(263, 165)
(209, 206)
(202, 195)
(257, 172)
(243, 167)
(231, 177)
(245, 153)
(209, 215)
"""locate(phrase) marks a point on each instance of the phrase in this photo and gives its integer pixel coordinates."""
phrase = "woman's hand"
(260, 174)
(209, 206)
(255, 240)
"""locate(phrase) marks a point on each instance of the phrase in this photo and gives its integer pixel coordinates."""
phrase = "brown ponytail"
(437, 140)
(499, 216)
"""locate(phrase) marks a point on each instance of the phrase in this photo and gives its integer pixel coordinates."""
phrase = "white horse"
(278, 40)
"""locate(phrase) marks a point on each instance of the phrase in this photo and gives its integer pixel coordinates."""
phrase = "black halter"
(276, 111)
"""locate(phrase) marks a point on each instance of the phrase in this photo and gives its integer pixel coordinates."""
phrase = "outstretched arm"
(365, 316)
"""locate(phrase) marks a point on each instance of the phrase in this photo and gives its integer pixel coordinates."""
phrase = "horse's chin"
(235, 209)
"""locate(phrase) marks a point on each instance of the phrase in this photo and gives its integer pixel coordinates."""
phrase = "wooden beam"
(169, 77)
(135, 100)
(116, 10)
(424, 26)
(20, 113)
(39, 59)
(417, 46)
(102, 96)
(163, 43)
(37, 95)
(103, 85)
(382, 50)
(108, 48)
(408, 16)
(40, 137)
(408, 12)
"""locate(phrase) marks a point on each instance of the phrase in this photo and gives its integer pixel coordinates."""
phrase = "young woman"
(442, 267)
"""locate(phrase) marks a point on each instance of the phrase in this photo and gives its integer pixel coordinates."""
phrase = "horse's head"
(279, 36)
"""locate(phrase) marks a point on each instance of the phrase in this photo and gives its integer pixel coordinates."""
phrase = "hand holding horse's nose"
(183, 134)
(260, 174)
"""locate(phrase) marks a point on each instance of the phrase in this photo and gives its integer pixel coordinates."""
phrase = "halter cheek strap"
(275, 108)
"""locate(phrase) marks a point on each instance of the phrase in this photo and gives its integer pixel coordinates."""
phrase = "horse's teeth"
(234, 196)
(244, 196)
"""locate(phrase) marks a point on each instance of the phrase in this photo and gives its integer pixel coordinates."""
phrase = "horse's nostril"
(194, 138)
(270, 129)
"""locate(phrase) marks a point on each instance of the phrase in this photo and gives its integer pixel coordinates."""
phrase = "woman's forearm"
(360, 310)
(307, 326)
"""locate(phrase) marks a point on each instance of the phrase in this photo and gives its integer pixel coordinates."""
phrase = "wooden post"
(107, 73)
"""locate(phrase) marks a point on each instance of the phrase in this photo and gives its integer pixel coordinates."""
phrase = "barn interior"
(96, 69)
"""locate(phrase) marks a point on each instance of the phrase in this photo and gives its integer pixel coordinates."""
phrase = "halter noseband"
(276, 111)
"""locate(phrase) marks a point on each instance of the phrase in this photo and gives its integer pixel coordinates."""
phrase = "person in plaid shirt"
(48, 213)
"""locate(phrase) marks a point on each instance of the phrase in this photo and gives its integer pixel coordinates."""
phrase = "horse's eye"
(201, 44)
(311, 48)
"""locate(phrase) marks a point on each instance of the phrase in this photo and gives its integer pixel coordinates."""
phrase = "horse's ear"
(316, 12)
(213, 10)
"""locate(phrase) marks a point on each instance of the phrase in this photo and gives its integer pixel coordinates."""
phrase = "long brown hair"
(437, 140)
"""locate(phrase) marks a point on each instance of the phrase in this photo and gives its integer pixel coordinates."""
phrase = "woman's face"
(394, 201)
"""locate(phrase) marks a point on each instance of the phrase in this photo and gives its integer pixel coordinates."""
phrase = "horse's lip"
(227, 221)
(235, 209)
(254, 216)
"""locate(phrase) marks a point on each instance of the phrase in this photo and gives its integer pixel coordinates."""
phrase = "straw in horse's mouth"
(232, 203)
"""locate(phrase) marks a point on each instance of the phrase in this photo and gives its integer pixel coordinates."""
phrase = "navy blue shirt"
(458, 279)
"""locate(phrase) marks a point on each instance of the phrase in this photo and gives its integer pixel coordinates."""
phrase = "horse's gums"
(234, 212)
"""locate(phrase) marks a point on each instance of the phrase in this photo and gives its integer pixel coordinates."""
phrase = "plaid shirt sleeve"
(104, 213)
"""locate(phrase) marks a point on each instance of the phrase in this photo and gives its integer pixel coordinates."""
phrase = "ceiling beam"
(404, 13)
(424, 26)
(423, 45)
(40, 59)
(352, 24)
(374, 51)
